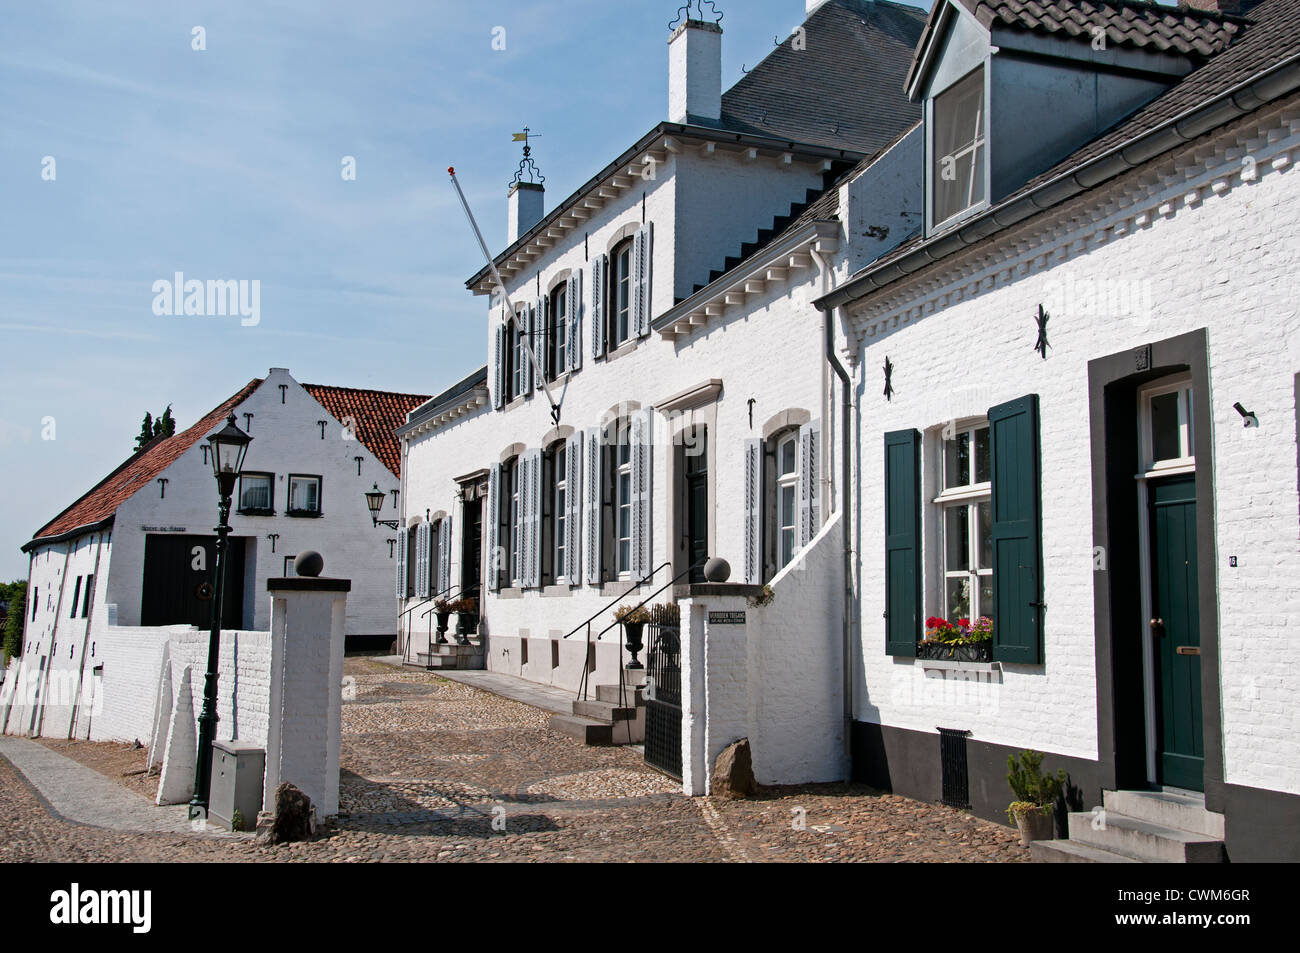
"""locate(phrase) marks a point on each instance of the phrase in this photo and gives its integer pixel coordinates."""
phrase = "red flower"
(964, 623)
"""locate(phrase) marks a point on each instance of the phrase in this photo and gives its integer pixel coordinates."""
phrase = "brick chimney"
(695, 72)
(527, 206)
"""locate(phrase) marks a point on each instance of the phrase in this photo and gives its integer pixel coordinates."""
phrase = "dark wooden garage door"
(178, 572)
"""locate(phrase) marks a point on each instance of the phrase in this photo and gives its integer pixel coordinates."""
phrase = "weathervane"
(685, 12)
(526, 164)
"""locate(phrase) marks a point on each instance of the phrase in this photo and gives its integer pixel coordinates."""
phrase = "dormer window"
(958, 169)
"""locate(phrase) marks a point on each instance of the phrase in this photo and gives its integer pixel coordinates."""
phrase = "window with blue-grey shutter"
(573, 310)
(591, 490)
(642, 257)
(501, 359)
(401, 563)
(809, 482)
(444, 543)
(753, 512)
(525, 344)
(642, 439)
(494, 529)
(573, 509)
(530, 500)
(541, 340)
(902, 542)
(1017, 533)
(422, 540)
(599, 278)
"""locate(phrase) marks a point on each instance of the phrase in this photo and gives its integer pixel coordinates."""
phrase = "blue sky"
(225, 163)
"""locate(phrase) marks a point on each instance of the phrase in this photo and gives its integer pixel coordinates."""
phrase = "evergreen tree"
(165, 426)
(146, 432)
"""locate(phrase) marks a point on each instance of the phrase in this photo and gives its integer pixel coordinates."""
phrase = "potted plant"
(962, 641)
(633, 619)
(442, 611)
(466, 612)
(1033, 809)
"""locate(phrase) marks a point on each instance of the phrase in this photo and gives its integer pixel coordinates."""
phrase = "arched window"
(557, 504)
(786, 516)
(620, 294)
(557, 332)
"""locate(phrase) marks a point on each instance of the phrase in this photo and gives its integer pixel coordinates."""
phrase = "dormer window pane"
(958, 166)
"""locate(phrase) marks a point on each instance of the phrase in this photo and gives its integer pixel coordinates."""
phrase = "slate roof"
(377, 414)
(842, 91)
(139, 470)
(433, 405)
(1270, 38)
(1134, 24)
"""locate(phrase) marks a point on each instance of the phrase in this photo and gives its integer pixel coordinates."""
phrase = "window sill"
(946, 665)
(557, 592)
(516, 402)
(611, 590)
(254, 512)
(627, 347)
(509, 594)
(973, 492)
(303, 514)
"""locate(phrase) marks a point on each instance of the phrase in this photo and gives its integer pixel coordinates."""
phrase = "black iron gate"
(663, 693)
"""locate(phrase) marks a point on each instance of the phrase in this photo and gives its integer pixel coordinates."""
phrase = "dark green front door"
(697, 504)
(1176, 633)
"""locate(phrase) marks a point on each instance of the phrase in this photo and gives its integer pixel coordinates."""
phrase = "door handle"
(1158, 626)
(1188, 650)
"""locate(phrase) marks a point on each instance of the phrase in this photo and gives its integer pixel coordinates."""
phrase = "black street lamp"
(229, 447)
(375, 502)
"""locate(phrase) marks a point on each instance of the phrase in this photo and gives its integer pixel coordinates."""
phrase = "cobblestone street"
(429, 765)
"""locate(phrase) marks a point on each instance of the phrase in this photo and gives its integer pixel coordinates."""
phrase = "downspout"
(846, 475)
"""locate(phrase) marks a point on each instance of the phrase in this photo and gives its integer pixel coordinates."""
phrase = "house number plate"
(1189, 650)
(726, 618)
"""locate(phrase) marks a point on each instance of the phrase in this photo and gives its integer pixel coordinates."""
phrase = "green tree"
(165, 426)
(16, 620)
(146, 432)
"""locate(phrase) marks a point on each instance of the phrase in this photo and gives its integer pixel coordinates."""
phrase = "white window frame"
(303, 478)
(780, 483)
(620, 334)
(1186, 461)
(970, 496)
(980, 144)
(558, 330)
(623, 472)
(270, 491)
(559, 513)
(515, 521)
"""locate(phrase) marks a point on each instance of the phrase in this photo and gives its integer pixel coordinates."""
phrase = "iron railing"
(587, 666)
(427, 614)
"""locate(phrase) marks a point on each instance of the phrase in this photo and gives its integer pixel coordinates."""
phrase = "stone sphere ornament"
(309, 564)
(717, 569)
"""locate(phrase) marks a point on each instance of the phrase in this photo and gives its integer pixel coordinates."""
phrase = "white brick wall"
(1225, 262)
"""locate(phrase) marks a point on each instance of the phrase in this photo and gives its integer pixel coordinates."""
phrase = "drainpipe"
(846, 475)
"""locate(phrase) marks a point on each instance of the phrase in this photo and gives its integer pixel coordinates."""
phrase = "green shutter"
(902, 542)
(1017, 535)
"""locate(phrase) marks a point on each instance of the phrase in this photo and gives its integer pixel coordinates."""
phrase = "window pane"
(302, 495)
(982, 471)
(787, 457)
(984, 535)
(957, 538)
(956, 455)
(1190, 449)
(255, 493)
(986, 596)
(787, 547)
(958, 170)
(958, 591)
(787, 507)
(1165, 438)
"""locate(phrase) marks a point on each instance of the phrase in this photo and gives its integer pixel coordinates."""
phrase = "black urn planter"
(632, 632)
(466, 623)
(444, 619)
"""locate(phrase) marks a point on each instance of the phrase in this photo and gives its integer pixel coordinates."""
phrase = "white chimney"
(527, 205)
(695, 72)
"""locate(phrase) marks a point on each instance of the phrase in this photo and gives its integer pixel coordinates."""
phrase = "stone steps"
(1140, 827)
(449, 656)
(611, 718)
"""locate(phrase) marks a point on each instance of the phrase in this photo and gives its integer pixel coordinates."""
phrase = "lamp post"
(229, 446)
(375, 502)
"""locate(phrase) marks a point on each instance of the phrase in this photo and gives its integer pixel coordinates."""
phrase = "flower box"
(968, 652)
